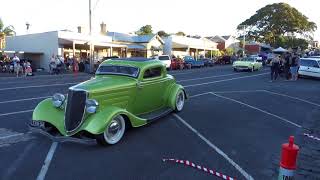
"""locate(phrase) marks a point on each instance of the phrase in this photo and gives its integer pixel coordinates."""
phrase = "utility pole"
(244, 39)
(91, 43)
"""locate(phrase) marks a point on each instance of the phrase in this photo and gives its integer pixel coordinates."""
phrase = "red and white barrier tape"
(311, 136)
(207, 170)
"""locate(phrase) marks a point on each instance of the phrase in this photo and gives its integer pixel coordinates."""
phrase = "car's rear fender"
(172, 93)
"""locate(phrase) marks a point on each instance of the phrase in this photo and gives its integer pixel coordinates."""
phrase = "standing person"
(75, 66)
(275, 64)
(58, 63)
(87, 65)
(28, 71)
(52, 64)
(70, 65)
(16, 64)
(295, 67)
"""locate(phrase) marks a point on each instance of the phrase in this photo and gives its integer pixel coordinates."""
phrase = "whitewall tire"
(113, 132)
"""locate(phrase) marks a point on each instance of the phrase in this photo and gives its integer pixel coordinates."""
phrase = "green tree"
(291, 42)
(145, 30)
(229, 51)
(163, 33)
(275, 20)
(8, 30)
(180, 33)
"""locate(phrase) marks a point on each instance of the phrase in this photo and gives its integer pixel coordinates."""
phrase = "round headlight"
(91, 106)
(58, 99)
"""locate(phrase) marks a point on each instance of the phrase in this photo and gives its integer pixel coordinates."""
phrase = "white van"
(309, 67)
(166, 59)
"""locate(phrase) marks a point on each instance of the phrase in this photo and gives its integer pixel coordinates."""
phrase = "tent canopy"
(280, 49)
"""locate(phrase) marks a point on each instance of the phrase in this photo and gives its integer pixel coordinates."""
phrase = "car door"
(303, 70)
(150, 92)
(314, 69)
(257, 64)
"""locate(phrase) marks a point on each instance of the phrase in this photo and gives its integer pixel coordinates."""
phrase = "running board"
(155, 114)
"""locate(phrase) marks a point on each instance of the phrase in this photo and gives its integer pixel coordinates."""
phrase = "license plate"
(37, 123)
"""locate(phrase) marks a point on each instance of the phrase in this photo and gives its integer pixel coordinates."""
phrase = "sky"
(194, 17)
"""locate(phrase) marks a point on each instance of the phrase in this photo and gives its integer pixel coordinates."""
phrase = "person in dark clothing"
(275, 64)
(81, 66)
(287, 64)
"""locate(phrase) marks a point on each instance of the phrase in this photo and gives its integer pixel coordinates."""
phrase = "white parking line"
(12, 135)
(219, 151)
(45, 167)
(13, 167)
(47, 85)
(207, 77)
(27, 99)
(223, 80)
(284, 95)
(196, 95)
(17, 112)
(244, 91)
(252, 107)
(40, 76)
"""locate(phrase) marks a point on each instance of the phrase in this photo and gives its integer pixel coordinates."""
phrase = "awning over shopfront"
(67, 38)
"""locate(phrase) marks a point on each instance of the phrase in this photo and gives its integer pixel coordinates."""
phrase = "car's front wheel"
(113, 132)
(180, 98)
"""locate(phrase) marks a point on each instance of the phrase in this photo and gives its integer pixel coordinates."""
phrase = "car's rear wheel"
(113, 132)
(235, 69)
(180, 98)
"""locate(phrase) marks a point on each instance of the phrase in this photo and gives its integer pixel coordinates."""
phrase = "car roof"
(135, 61)
(311, 58)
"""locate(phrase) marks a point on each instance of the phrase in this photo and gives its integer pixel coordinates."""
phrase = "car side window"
(152, 73)
(303, 62)
(314, 64)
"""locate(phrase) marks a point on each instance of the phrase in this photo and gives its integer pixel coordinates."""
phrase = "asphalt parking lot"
(233, 123)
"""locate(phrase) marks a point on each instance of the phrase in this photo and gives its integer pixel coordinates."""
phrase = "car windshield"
(162, 58)
(118, 70)
(248, 59)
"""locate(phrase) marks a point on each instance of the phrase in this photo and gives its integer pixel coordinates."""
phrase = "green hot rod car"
(248, 63)
(129, 92)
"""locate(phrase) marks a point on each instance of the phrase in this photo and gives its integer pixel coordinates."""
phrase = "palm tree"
(8, 30)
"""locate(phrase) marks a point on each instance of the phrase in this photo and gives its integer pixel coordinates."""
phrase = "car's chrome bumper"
(241, 67)
(59, 138)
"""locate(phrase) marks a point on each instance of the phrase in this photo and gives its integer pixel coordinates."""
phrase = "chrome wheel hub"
(180, 101)
(115, 130)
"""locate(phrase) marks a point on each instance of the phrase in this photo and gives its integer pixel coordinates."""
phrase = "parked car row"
(187, 62)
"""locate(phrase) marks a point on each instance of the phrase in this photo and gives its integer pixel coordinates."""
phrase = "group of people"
(16, 65)
(73, 64)
(287, 63)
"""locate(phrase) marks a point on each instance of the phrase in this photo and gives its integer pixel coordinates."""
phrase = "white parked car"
(309, 67)
(166, 59)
